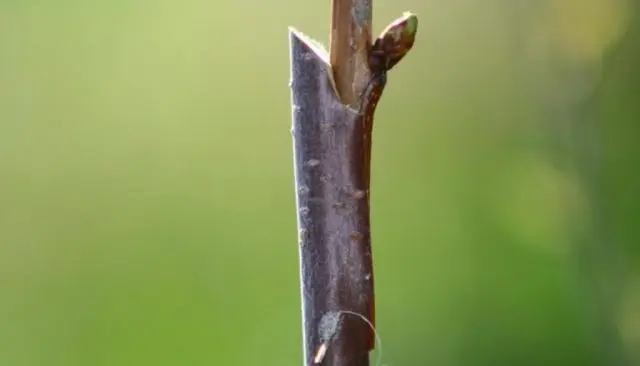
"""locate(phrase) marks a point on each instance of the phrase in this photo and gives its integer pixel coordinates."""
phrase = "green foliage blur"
(146, 189)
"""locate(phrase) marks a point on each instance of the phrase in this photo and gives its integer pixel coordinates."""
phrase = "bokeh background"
(146, 188)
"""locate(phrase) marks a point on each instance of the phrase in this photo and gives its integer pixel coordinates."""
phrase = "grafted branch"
(333, 107)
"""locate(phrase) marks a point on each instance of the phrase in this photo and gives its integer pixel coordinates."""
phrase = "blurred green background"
(146, 188)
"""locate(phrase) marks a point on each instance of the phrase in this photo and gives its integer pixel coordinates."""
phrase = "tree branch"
(349, 43)
(332, 151)
(333, 214)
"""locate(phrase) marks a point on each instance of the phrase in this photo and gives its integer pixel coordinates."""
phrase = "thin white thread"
(373, 328)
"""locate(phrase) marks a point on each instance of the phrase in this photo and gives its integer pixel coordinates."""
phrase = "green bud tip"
(411, 23)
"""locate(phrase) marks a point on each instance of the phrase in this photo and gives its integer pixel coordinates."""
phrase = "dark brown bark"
(333, 214)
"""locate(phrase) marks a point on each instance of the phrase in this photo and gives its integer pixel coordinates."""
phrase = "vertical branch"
(333, 102)
(333, 214)
(349, 43)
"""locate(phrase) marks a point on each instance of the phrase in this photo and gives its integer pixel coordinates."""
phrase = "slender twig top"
(349, 44)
